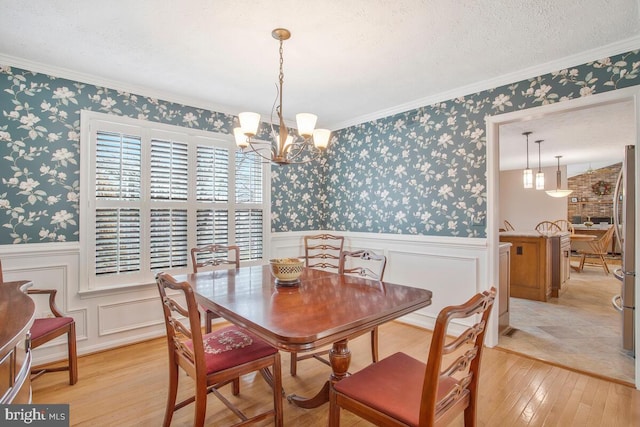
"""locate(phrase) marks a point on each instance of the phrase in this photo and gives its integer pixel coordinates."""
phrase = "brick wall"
(589, 203)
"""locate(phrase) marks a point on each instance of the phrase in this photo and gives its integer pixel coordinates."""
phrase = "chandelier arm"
(300, 147)
(258, 152)
(316, 155)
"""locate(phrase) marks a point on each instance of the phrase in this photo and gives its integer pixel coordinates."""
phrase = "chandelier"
(285, 147)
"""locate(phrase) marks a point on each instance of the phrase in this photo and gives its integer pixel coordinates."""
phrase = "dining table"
(323, 308)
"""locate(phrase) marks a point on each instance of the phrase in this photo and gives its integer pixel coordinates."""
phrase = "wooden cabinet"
(535, 263)
(503, 291)
(16, 317)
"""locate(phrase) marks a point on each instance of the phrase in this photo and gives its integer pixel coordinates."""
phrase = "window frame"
(90, 123)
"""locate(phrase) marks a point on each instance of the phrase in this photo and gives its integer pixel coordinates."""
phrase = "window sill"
(115, 290)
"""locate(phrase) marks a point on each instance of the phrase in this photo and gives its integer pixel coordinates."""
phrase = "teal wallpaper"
(39, 155)
(418, 172)
(424, 171)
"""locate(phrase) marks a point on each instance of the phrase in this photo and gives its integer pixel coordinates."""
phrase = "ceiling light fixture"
(286, 148)
(527, 174)
(558, 192)
(540, 174)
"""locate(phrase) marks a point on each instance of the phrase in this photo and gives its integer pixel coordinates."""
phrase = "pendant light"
(540, 174)
(559, 192)
(527, 174)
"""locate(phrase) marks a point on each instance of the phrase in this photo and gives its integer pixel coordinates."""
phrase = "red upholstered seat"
(232, 346)
(47, 325)
(392, 386)
(402, 391)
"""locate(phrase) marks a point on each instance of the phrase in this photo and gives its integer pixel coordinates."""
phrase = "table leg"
(340, 358)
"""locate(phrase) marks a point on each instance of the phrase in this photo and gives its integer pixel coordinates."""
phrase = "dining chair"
(402, 391)
(508, 226)
(323, 251)
(363, 263)
(46, 329)
(213, 360)
(565, 225)
(597, 249)
(213, 256)
(547, 227)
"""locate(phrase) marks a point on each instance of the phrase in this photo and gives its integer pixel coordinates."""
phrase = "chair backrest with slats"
(547, 227)
(601, 245)
(565, 225)
(323, 251)
(459, 377)
(364, 263)
(182, 324)
(508, 226)
(214, 255)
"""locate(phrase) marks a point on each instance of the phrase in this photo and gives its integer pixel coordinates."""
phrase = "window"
(150, 192)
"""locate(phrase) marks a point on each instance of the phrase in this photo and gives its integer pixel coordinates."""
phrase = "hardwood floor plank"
(127, 387)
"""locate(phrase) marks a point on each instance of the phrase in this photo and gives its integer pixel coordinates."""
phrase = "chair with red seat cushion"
(46, 329)
(402, 391)
(212, 360)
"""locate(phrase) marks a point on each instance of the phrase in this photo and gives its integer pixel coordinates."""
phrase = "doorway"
(493, 173)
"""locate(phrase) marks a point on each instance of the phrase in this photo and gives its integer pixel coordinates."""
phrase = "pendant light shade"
(540, 174)
(527, 174)
(558, 192)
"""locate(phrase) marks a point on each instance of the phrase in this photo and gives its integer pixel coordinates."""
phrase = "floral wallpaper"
(424, 171)
(418, 172)
(39, 155)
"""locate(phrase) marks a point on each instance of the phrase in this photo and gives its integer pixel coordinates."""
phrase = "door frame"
(493, 124)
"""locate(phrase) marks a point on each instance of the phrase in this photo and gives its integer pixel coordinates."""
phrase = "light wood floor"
(127, 387)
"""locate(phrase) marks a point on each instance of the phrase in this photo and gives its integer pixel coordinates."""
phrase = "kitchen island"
(539, 263)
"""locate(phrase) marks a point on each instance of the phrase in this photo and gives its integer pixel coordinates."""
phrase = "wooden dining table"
(324, 308)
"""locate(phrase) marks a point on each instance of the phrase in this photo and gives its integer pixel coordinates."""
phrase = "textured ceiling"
(346, 61)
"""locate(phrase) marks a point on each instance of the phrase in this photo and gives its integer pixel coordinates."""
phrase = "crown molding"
(616, 48)
(541, 69)
(118, 85)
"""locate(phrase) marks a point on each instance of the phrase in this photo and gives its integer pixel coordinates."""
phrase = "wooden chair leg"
(173, 393)
(278, 391)
(582, 260)
(374, 344)
(334, 411)
(293, 368)
(604, 264)
(200, 402)
(72, 354)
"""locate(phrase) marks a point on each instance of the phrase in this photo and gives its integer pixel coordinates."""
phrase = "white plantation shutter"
(248, 178)
(169, 170)
(212, 174)
(168, 238)
(248, 217)
(117, 241)
(249, 233)
(212, 227)
(152, 192)
(117, 170)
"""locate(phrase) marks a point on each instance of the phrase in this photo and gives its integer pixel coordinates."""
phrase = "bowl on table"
(287, 271)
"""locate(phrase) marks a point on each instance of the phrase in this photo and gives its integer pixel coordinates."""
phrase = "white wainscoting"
(452, 268)
(103, 320)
